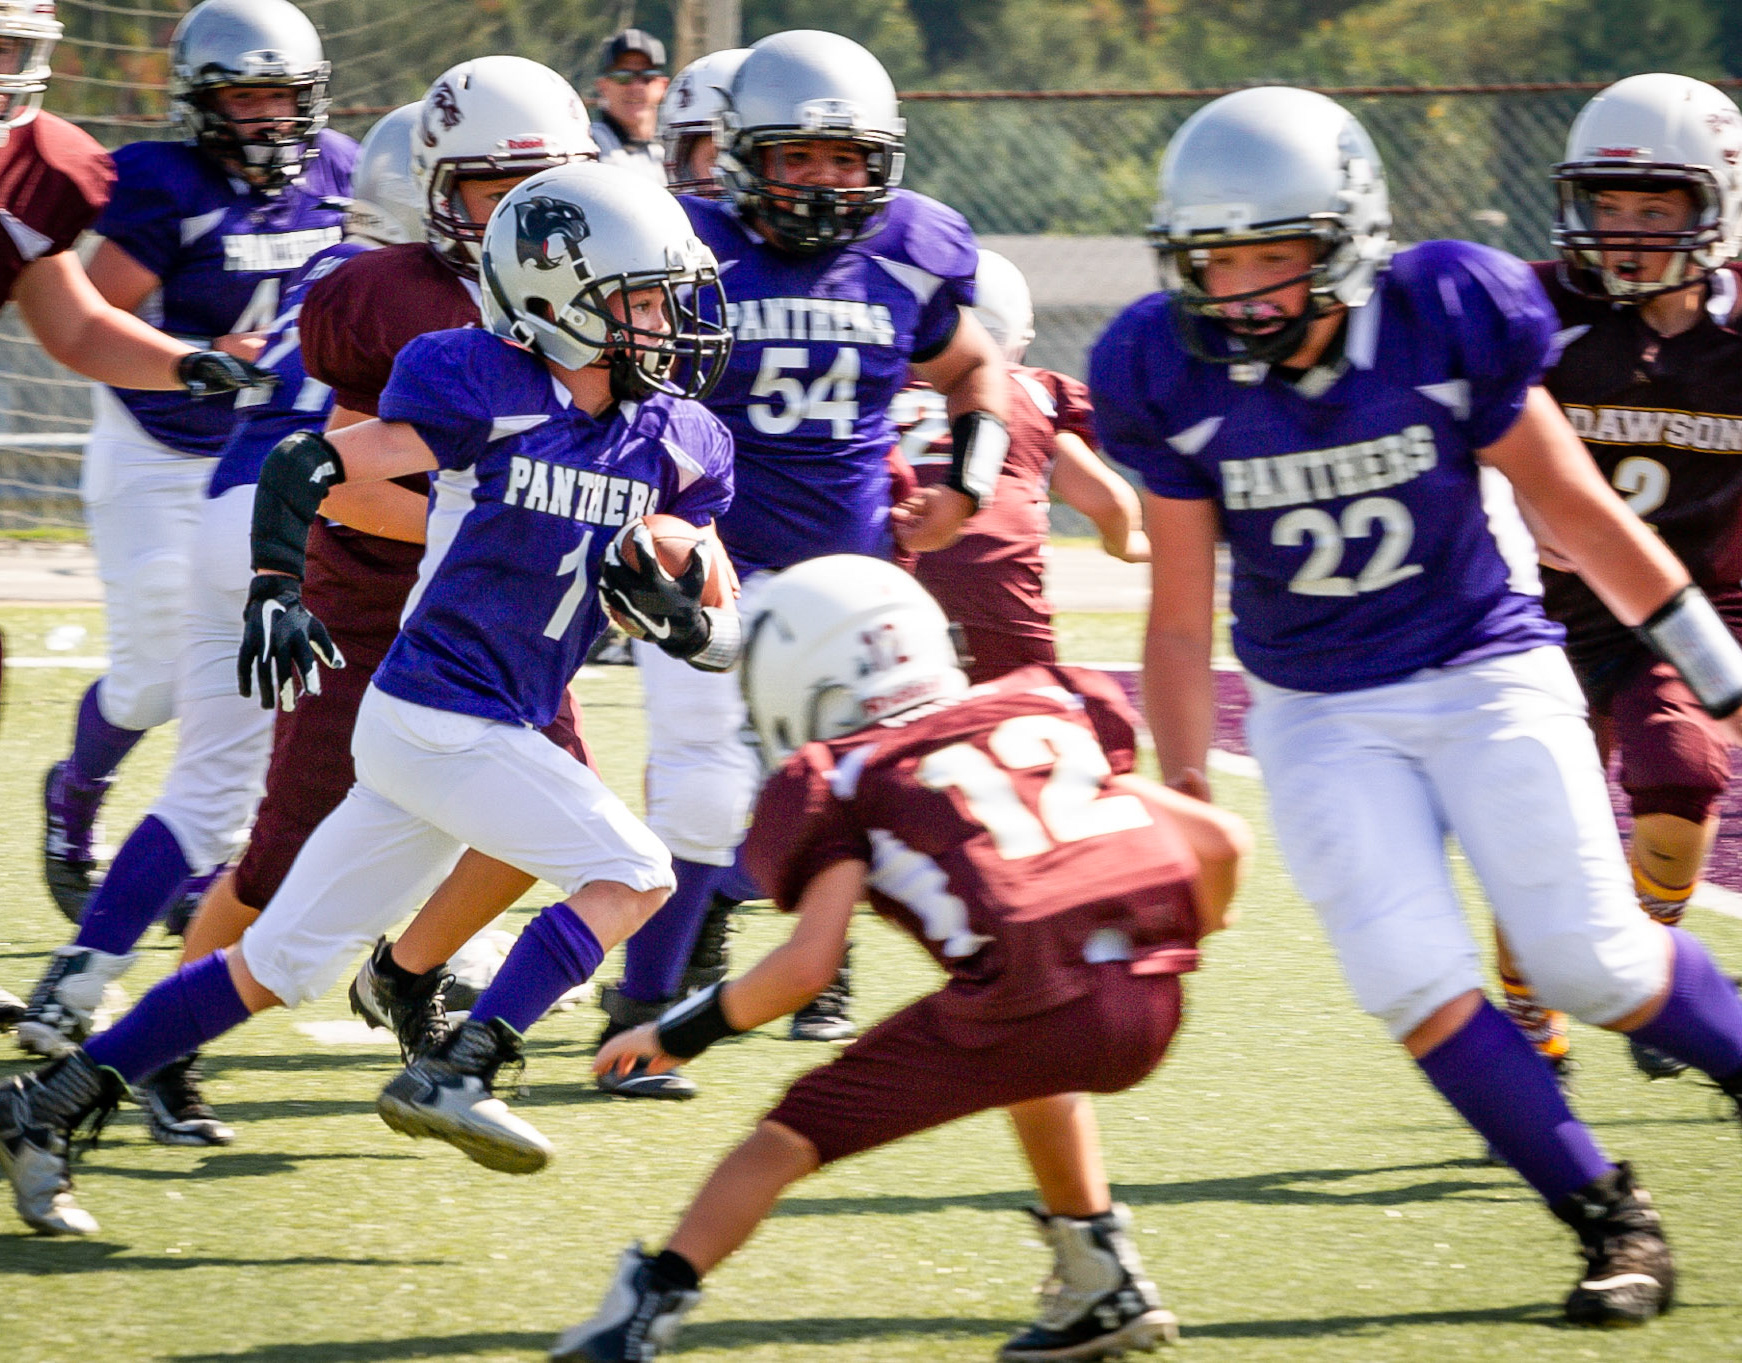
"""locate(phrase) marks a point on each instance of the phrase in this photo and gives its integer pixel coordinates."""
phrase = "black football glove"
(281, 643)
(205, 372)
(649, 602)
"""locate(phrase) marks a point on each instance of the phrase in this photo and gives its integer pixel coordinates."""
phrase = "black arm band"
(293, 483)
(1689, 634)
(978, 443)
(687, 1029)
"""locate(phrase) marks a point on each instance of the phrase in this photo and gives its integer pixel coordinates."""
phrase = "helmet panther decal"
(549, 233)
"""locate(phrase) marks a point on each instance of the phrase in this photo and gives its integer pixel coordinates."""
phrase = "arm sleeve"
(707, 442)
(436, 388)
(800, 829)
(142, 218)
(1500, 325)
(1129, 428)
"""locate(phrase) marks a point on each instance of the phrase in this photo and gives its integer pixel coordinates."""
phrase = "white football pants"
(431, 783)
(1364, 787)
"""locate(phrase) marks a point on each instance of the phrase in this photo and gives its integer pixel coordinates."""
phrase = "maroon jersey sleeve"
(356, 321)
(1108, 712)
(1071, 408)
(54, 180)
(800, 828)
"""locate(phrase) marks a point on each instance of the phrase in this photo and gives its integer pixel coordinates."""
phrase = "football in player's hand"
(674, 541)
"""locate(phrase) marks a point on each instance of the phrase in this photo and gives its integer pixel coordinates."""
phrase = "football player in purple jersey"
(839, 283)
(1650, 376)
(222, 741)
(563, 420)
(197, 238)
(1355, 423)
(999, 826)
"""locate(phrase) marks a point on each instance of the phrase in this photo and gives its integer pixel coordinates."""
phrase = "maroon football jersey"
(54, 180)
(992, 577)
(354, 323)
(996, 837)
(1662, 416)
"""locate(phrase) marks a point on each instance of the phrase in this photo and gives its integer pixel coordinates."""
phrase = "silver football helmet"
(225, 44)
(839, 642)
(28, 31)
(487, 118)
(1651, 132)
(805, 86)
(563, 244)
(386, 206)
(689, 115)
(1003, 304)
(1270, 164)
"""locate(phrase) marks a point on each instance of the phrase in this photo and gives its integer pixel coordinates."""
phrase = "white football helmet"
(689, 114)
(486, 118)
(32, 31)
(839, 642)
(1003, 304)
(251, 44)
(386, 207)
(561, 244)
(1651, 132)
(1271, 164)
(801, 87)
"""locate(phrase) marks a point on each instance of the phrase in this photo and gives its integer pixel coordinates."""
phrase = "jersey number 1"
(575, 561)
(1071, 805)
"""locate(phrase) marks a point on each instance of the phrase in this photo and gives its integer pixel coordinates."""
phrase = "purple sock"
(1502, 1087)
(555, 953)
(98, 746)
(147, 872)
(177, 1015)
(738, 885)
(1701, 1021)
(655, 957)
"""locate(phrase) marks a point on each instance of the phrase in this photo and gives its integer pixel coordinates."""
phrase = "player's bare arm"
(969, 372)
(376, 508)
(782, 982)
(1086, 485)
(1177, 643)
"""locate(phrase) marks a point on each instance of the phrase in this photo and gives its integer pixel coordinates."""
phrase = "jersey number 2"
(1071, 805)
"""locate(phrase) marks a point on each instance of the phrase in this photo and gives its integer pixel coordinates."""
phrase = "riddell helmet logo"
(1620, 153)
(549, 233)
(440, 108)
(524, 143)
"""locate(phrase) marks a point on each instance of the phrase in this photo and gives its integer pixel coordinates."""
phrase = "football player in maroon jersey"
(1650, 223)
(1002, 828)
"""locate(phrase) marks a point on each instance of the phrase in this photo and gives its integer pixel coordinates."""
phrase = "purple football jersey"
(530, 491)
(298, 402)
(1366, 542)
(222, 249)
(821, 346)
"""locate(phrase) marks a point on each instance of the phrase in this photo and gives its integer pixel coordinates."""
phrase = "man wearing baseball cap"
(632, 80)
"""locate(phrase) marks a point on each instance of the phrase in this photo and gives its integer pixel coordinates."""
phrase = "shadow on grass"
(235, 1164)
(1280, 1187)
(34, 1255)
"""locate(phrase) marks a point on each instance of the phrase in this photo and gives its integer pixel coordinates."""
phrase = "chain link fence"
(1063, 183)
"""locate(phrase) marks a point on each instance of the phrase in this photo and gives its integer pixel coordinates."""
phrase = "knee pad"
(1597, 978)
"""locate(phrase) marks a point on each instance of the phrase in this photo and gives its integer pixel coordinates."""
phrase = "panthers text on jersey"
(54, 180)
(995, 836)
(530, 492)
(1662, 417)
(297, 402)
(993, 577)
(222, 249)
(1366, 542)
(820, 347)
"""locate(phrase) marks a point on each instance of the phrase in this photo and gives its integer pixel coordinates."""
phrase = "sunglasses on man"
(646, 77)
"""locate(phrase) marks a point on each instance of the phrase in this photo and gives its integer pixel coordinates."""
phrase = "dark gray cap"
(620, 45)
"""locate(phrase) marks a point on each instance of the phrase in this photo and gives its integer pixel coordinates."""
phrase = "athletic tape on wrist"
(687, 1029)
(1689, 634)
(725, 641)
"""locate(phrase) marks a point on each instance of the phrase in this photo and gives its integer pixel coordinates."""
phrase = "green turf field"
(1300, 1193)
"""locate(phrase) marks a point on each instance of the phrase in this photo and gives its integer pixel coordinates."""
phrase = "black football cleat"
(635, 1323)
(176, 1112)
(1097, 1302)
(825, 1017)
(1629, 1276)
